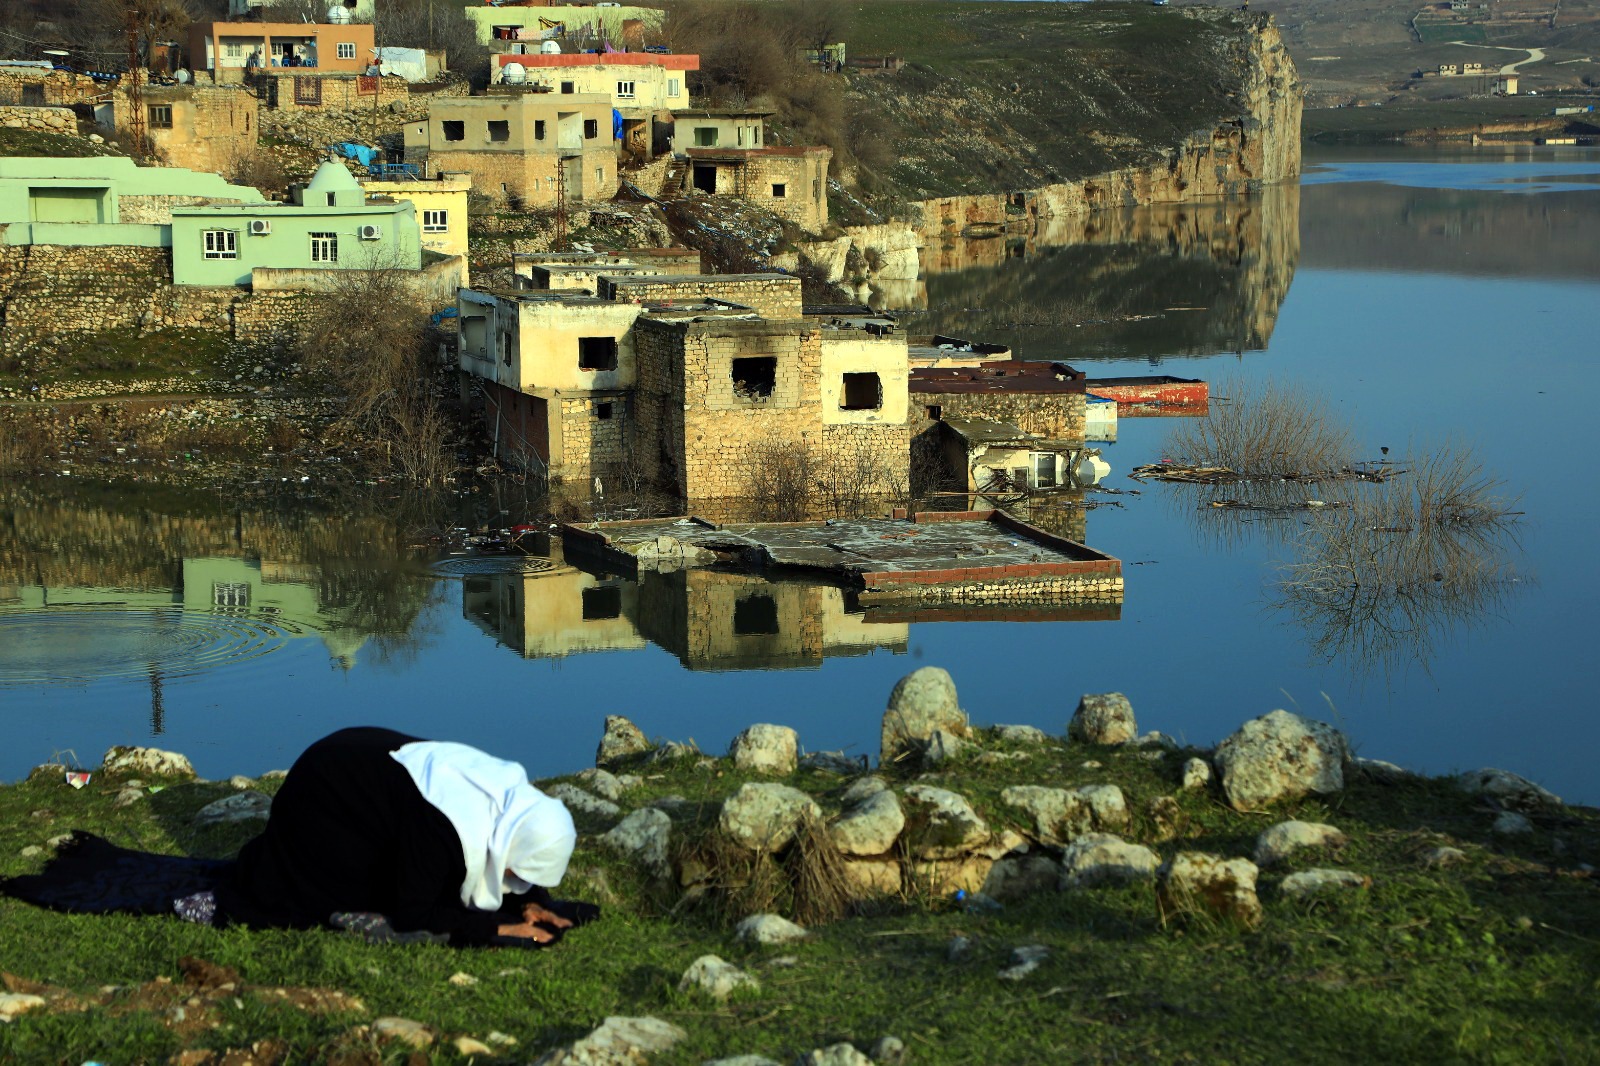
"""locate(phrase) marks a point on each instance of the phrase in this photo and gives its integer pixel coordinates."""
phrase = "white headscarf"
(512, 835)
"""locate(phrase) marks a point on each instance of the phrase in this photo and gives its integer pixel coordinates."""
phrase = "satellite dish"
(551, 48)
(514, 73)
(182, 76)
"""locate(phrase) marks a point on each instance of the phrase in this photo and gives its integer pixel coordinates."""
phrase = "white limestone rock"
(1278, 842)
(643, 836)
(1385, 773)
(14, 1003)
(619, 1041)
(1320, 882)
(152, 762)
(1061, 814)
(764, 817)
(766, 749)
(870, 827)
(1512, 824)
(1442, 856)
(941, 824)
(128, 797)
(1199, 882)
(620, 740)
(888, 1051)
(1196, 774)
(769, 929)
(1103, 718)
(923, 701)
(834, 1055)
(1022, 734)
(1507, 789)
(1280, 756)
(602, 783)
(583, 803)
(403, 1031)
(716, 977)
(942, 747)
(1096, 859)
(239, 807)
(861, 788)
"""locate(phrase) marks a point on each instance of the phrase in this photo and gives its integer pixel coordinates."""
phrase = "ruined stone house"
(201, 127)
(728, 155)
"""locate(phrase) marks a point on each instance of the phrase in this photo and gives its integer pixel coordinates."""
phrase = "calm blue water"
(1426, 299)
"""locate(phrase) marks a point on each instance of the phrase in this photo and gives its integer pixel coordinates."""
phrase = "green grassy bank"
(1493, 959)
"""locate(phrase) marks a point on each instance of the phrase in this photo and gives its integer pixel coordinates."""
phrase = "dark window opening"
(591, 128)
(538, 129)
(454, 131)
(861, 392)
(567, 87)
(597, 353)
(499, 130)
(754, 377)
(935, 412)
(705, 178)
(705, 136)
(160, 116)
(779, 191)
(602, 411)
(333, 199)
(601, 602)
(755, 616)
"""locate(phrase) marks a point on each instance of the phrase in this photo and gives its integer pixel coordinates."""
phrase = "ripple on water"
(487, 565)
(83, 644)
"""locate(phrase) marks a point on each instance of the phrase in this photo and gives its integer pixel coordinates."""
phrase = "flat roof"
(1001, 376)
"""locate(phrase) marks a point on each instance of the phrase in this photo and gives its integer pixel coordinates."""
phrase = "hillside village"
(600, 277)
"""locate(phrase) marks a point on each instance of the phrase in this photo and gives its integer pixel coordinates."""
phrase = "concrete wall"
(856, 352)
(288, 245)
(655, 86)
(608, 18)
(545, 348)
(224, 48)
(449, 195)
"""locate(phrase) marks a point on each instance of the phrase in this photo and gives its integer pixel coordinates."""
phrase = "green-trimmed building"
(330, 225)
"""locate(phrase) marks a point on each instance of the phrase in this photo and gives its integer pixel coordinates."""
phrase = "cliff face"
(1258, 146)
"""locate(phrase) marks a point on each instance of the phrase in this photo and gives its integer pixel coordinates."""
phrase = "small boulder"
(1442, 856)
(1167, 820)
(1274, 845)
(1021, 734)
(764, 817)
(618, 1041)
(128, 797)
(769, 929)
(942, 747)
(239, 807)
(1196, 882)
(1507, 789)
(870, 878)
(1512, 824)
(15, 1003)
(602, 783)
(403, 1031)
(1020, 875)
(941, 824)
(1060, 814)
(889, 1051)
(716, 977)
(152, 762)
(241, 782)
(1196, 774)
(643, 836)
(1024, 960)
(583, 804)
(1103, 718)
(621, 739)
(834, 1055)
(861, 788)
(1385, 773)
(870, 827)
(923, 701)
(1280, 756)
(765, 749)
(1096, 859)
(1318, 882)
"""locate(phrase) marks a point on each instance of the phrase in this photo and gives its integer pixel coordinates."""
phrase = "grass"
(60, 146)
(1491, 961)
(1358, 124)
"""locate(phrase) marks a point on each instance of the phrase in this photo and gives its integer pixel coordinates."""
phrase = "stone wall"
(39, 119)
(211, 128)
(880, 454)
(1059, 416)
(592, 446)
(157, 210)
(775, 296)
(803, 173)
(47, 88)
(285, 90)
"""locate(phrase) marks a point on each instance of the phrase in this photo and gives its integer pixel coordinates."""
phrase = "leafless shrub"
(781, 478)
(1265, 429)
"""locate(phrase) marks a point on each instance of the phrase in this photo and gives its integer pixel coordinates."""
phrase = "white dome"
(332, 177)
(514, 73)
(338, 14)
(551, 48)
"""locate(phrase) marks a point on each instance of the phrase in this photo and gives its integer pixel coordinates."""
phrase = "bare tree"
(1265, 429)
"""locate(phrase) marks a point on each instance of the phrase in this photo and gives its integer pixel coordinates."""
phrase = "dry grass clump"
(805, 881)
(1266, 429)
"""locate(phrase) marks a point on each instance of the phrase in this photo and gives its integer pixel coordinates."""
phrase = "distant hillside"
(998, 96)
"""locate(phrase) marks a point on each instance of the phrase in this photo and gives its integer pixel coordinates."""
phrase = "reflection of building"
(554, 612)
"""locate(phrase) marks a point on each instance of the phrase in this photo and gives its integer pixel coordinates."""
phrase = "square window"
(346, 50)
(779, 190)
(221, 244)
(233, 50)
(568, 87)
(754, 377)
(435, 221)
(1044, 470)
(755, 616)
(499, 130)
(705, 136)
(324, 247)
(591, 128)
(672, 87)
(160, 116)
(505, 348)
(625, 90)
(602, 411)
(454, 130)
(861, 392)
(597, 353)
(602, 602)
(538, 129)
(935, 412)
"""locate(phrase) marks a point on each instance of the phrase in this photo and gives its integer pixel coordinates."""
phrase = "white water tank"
(513, 73)
(551, 48)
(339, 15)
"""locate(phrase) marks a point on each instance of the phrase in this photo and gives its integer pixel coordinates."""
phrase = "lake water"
(1425, 297)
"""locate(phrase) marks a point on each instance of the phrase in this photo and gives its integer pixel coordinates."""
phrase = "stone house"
(580, 270)
(201, 127)
(299, 89)
(441, 204)
(644, 87)
(44, 86)
(522, 147)
(230, 50)
(622, 23)
(728, 156)
(330, 225)
(1045, 399)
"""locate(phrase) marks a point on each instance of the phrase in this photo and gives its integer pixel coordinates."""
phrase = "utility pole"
(561, 203)
(135, 76)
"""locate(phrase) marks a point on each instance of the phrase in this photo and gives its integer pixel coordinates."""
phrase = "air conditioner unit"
(370, 233)
(260, 227)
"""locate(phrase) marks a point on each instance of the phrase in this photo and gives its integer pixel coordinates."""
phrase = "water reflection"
(1190, 279)
(113, 589)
